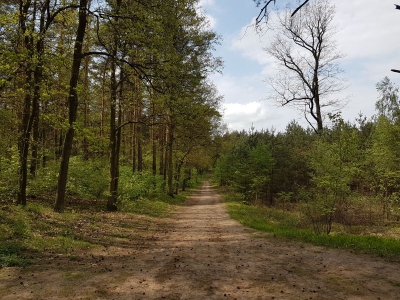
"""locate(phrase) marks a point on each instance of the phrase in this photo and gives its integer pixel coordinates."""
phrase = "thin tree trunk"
(162, 151)
(170, 167)
(86, 109)
(26, 124)
(135, 138)
(38, 74)
(153, 143)
(320, 127)
(103, 99)
(112, 199)
(139, 139)
(72, 106)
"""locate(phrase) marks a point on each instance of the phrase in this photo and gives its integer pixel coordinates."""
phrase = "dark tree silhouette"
(264, 12)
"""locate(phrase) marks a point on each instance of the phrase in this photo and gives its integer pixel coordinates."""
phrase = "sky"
(368, 34)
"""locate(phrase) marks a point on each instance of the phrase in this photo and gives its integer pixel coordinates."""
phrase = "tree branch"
(264, 10)
(298, 8)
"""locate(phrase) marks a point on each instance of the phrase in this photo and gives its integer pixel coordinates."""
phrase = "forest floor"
(200, 253)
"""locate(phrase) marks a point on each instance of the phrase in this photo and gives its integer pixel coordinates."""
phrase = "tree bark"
(162, 151)
(153, 143)
(112, 199)
(86, 109)
(115, 130)
(26, 124)
(72, 106)
(38, 78)
(170, 167)
(139, 139)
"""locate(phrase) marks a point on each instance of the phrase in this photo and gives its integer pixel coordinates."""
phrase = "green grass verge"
(283, 224)
(158, 206)
(28, 230)
(36, 230)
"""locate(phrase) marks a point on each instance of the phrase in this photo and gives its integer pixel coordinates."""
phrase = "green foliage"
(333, 161)
(247, 167)
(384, 154)
(138, 185)
(388, 104)
(8, 169)
(45, 181)
(292, 169)
(283, 224)
(88, 179)
(385, 164)
(10, 254)
(348, 175)
(142, 193)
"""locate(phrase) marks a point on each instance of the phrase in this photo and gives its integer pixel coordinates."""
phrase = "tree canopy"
(122, 80)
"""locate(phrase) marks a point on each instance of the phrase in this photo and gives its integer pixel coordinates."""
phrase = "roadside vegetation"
(35, 230)
(336, 183)
(104, 106)
(339, 187)
(383, 241)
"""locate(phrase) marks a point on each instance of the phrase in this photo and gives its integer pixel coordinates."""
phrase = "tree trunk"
(162, 152)
(26, 124)
(86, 109)
(188, 176)
(320, 127)
(170, 167)
(153, 144)
(139, 139)
(112, 199)
(38, 74)
(72, 106)
(103, 98)
(115, 129)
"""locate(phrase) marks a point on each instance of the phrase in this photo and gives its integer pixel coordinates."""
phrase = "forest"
(104, 93)
(108, 104)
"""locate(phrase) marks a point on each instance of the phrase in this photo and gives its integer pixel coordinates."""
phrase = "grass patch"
(287, 225)
(36, 231)
(159, 206)
(146, 207)
(10, 254)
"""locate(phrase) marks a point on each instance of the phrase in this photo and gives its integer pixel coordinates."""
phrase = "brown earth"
(200, 253)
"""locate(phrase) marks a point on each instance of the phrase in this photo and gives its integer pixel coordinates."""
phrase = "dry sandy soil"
(200, 253)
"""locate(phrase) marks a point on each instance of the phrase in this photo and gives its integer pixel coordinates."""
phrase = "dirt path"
(203, 254)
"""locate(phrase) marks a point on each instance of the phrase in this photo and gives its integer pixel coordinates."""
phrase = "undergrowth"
(36, 230)
(289, 225)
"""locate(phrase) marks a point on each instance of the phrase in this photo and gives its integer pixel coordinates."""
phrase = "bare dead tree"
(307, 56)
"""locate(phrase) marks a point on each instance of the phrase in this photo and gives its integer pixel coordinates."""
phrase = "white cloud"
(243, 116)
(368, 29)
(251, 44)
(245, 105)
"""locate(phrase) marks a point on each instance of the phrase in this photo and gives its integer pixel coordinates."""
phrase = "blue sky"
(369, 35)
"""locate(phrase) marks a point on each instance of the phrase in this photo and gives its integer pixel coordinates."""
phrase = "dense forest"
(104, 99)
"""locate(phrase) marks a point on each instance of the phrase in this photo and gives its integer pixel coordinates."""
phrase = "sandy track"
(203, 254)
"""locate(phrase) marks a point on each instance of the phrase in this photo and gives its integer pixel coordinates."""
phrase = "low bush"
(289, 225)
